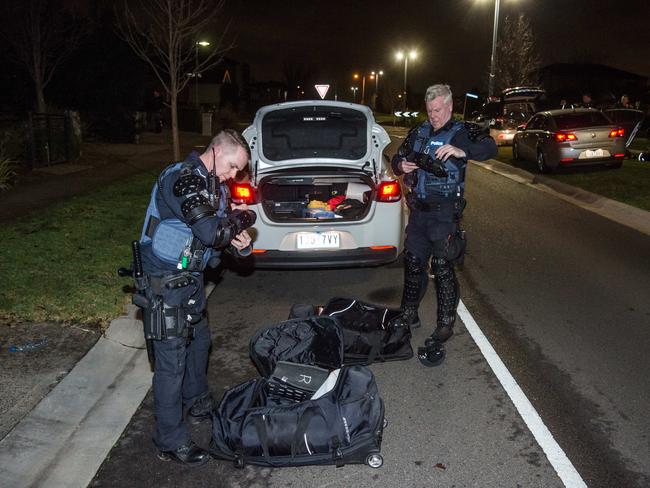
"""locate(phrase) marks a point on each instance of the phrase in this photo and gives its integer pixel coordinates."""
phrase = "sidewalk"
(65, 438)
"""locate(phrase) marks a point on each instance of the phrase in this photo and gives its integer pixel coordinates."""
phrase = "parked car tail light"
(242, 193)
(620, 132)
(619, 155)
(565, 136)
(389, 191)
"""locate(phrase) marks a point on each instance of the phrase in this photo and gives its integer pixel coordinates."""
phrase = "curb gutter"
(66, 437)
(622, 213)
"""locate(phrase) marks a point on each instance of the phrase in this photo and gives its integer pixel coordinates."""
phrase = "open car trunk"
(334, 196)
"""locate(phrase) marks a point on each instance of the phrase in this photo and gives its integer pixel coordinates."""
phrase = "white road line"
(556, 456)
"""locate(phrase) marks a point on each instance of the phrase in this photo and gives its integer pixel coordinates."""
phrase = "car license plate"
(317, 240)
(596, 153)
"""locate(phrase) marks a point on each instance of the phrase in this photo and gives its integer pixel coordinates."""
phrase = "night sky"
(453, 37)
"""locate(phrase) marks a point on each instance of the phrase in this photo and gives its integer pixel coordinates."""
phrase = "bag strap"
(304, 418)
(260, 427)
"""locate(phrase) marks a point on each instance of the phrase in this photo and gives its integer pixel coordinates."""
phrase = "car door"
(527, 139)
(544, 137)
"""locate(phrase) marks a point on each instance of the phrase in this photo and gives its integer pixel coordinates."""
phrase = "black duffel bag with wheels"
(371, 333)
(315, 413)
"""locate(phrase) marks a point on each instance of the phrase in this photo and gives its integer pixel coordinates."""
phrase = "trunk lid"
(315, 134)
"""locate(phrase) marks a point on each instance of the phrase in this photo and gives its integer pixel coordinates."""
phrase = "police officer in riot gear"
(433, 159)
(187, 224)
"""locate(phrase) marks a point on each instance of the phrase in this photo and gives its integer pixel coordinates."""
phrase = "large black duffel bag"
(300, 414)
(370, 332)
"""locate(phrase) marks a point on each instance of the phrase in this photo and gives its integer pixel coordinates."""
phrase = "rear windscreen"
(580, 119)
(314, 132)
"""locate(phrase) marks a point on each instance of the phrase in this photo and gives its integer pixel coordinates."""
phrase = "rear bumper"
(363, 256)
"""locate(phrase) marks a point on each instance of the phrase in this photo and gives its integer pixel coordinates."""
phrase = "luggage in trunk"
(370, 332)
(317, 412)
(316, 196)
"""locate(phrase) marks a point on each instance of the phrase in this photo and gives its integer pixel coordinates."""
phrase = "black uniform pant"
(180, 372)
(432, 236)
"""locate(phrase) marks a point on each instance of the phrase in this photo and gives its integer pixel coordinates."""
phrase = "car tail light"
(620, 132)
(389, 191)
(242, 193)
(565, 136)
(619, 155)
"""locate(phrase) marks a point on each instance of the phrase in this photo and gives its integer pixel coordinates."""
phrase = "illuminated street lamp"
(354, 93)
(402, 55)
(196, 69)
(376, 75)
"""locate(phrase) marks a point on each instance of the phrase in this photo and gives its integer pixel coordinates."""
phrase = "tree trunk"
(174, 122)
(40, 97)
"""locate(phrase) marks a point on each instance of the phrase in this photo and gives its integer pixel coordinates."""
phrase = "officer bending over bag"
(433, 159)
(188, 223)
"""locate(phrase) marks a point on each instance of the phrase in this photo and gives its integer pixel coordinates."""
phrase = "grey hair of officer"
(229, 140)
(435, 91)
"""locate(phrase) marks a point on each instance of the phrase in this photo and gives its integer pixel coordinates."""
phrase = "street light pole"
(406, 56)
(196, 69)
(376, 75)
(494, 47)
(354, 93)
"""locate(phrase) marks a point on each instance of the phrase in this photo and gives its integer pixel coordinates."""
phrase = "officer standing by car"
(187, 224)
(433, 159)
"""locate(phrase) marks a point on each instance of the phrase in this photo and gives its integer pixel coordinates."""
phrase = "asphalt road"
(560, 293)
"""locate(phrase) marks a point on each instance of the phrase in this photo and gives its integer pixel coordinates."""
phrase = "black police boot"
(432, 353)
(447, 295)
(415, 283)
(201, 410)
(188, 454)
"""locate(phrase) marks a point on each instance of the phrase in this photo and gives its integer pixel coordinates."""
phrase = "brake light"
(619, 155)
(565, 136)
(242, 193)
(389, 191)
(617, 132)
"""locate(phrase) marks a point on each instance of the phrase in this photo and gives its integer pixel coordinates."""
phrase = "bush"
(7, 165)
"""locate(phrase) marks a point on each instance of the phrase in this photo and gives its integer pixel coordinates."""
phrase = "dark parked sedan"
(571, 137)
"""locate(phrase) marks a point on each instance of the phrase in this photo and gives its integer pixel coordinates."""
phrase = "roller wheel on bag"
(385, 423)
(375, 460)
(239, 463)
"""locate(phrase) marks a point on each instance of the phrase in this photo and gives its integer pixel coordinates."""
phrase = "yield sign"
(322, 90)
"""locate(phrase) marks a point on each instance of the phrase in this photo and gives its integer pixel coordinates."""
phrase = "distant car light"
(565, 137)
(389, 191)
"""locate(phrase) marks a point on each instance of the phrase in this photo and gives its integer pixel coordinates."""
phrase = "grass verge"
(629, 184)
(60, 264)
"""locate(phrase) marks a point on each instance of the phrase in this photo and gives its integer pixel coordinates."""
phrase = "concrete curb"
(64, 440)
(627, 215)
(66, 437)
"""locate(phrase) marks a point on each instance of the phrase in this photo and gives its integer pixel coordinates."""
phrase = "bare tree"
(39, 36)
(518, 61)
(165, 33)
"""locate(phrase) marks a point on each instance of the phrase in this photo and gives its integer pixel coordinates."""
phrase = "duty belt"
(422, 206)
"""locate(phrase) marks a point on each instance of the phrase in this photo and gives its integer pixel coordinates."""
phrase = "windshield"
(314, 132)
(580, 119)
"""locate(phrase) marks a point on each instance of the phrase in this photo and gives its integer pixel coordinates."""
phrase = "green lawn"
(629, 184)
(60, 264)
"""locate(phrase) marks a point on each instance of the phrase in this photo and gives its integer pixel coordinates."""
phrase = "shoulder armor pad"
(188, 184)
(476, 132)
